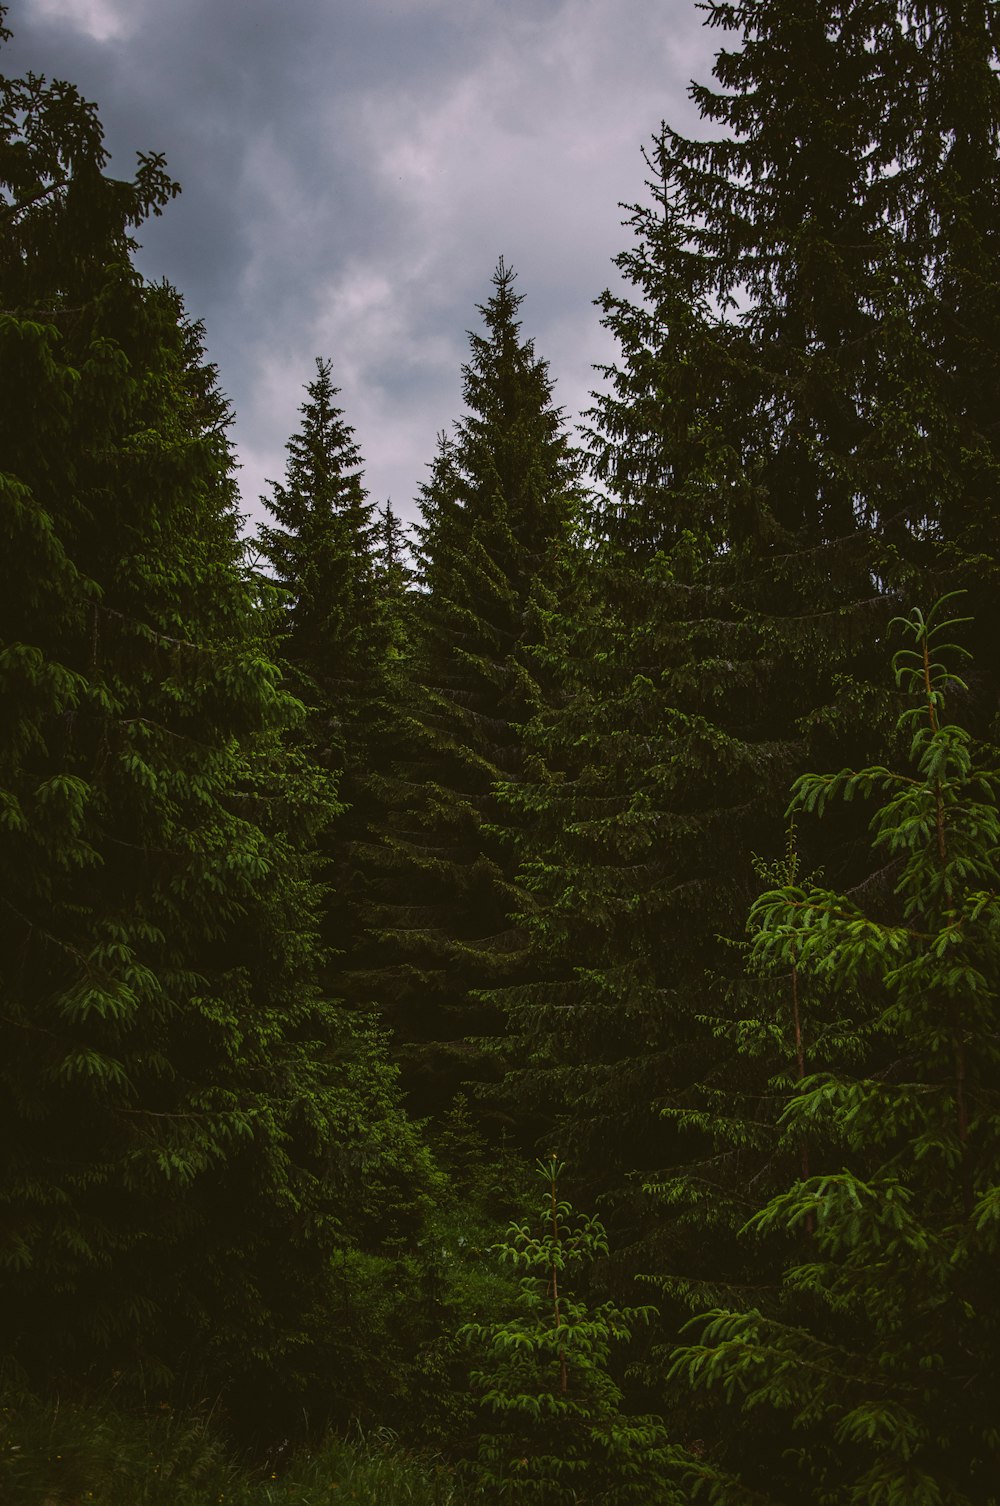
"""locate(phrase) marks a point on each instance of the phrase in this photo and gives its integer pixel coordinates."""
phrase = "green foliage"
(394, 577)
(882, 1349)
(527, 781)
(556, 1431)
(779, 443)
(97, 1454)
(496, 514)
(321, 549)
(741, 565)
(190, 1128)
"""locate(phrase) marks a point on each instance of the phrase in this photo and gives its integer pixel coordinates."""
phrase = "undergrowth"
(75, 1454)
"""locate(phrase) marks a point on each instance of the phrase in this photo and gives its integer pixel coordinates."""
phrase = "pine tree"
(881, 1351)
(184, 1112)
(496, 514)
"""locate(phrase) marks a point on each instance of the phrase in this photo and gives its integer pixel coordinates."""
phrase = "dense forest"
(510, 1014)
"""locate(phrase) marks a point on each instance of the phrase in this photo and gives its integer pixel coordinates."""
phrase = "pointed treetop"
(499, 311)
(325, 451)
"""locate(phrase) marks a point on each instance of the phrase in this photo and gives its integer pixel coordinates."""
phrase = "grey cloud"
(351, 170)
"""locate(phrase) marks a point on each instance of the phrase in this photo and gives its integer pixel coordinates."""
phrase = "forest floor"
(56, 1454)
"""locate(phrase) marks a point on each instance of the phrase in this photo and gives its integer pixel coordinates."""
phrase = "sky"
(351, 171)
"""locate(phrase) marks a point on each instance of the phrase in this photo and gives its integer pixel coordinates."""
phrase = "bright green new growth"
(554, 1430)
(883, 1348)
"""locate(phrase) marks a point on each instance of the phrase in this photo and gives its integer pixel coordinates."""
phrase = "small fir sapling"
(553, 1429)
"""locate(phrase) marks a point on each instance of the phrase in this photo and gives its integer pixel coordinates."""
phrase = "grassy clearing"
(66, 1454)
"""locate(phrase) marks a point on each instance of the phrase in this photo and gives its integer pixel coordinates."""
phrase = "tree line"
(641, 820)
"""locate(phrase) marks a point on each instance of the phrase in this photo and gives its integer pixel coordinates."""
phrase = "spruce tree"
(392, 567)
(190, 1129)
(496, 515)
(879, 1351)
(338, 643)
(321, 552)
(553, 1431)
(779, 449)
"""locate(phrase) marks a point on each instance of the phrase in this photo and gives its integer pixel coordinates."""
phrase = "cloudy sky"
(351, 170)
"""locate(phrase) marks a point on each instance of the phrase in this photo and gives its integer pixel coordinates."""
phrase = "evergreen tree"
(557, 1434)
(780, 446)
(392, 567)
(321, 551)
(190, 1129)
(496, 514)
(339, 644)
(881, 1350)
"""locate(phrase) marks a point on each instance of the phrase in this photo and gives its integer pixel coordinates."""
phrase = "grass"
(69, 1454)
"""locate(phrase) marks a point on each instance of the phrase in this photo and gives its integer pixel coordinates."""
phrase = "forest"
(509, 1015)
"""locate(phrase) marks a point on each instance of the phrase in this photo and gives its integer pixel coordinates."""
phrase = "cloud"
(102, 20)
(351, 172)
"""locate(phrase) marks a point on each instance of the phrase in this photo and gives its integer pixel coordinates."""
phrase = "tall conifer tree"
(780, 445)
(183, 1110)
(337, 638)
(321, 548)
(496, 515)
